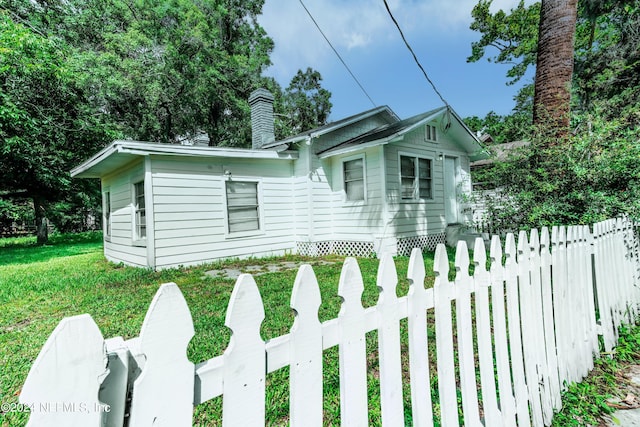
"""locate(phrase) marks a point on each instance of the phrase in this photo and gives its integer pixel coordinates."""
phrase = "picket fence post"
(529, 325)
(515, 332)
(482, 282)
(306, 351)
(63, 382)
(549, 321)
(444, 293)
(352, 350)
(497, 278)
(420, 299)
(463, 288)
(391, 403)
(244, 358)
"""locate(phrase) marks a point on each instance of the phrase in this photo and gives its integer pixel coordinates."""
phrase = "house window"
(140, 218)
(415, 178)
(353, 173)
(107, 213)
(242, 206)
(430, 133)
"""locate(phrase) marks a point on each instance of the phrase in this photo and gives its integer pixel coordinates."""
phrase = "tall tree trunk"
(42, 229)
(554, 69)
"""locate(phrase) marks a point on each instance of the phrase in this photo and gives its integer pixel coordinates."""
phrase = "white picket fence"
(538, 318)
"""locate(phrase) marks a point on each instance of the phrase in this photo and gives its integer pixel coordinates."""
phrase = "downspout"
(309, 190)
(149, 211)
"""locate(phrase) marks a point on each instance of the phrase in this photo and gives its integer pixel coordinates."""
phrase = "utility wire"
(337, 54)
(414, 55)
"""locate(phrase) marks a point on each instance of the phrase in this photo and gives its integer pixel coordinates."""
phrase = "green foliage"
(513, 127)
(586, 403)
(514, 35)
(77, 74)
(596, 176)
(593, 175)
(306, 102)
(47, 125)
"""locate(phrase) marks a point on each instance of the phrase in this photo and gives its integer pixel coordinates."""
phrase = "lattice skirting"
(366, 249)
(406, 244)
(361, 249)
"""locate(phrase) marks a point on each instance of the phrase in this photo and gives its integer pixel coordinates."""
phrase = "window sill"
(354, 203)
(244, 234)
(140, 242)
(417, 201)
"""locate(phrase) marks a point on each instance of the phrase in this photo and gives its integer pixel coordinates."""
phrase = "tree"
(513, 35)
(597, 175)
(554, 66)
(165, 70)
(306, 102)
(46, 125)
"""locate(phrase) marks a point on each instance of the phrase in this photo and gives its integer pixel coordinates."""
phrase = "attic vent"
(430, 133)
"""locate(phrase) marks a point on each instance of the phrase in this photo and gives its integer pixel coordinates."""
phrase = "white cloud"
(356, 25)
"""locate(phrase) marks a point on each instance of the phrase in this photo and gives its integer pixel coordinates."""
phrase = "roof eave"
(88, 169)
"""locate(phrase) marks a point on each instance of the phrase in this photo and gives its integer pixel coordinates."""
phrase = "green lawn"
(41, 285)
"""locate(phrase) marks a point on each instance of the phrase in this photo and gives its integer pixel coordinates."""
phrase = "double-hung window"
(243, 209)
(140, 219)
(415, 178)
(353, 173)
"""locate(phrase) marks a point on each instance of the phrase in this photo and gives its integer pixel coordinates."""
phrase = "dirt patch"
(17, 326)
(258, 270)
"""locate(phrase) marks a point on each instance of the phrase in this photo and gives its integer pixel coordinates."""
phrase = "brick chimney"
(261, 102)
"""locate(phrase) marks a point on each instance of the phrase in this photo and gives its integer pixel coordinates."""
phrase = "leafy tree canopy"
(75, 74)
(597, 174)
(45, 123)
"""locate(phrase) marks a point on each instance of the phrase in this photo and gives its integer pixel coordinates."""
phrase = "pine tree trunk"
(554, 69)
(42, 229)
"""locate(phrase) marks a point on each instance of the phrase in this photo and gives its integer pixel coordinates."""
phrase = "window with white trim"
(430, 133)
(243, 209)
(140, 218)
(415, 178)
(353, 174)
(106, 213)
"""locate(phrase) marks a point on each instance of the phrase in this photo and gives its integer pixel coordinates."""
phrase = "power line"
(414, 55)
(337, 54)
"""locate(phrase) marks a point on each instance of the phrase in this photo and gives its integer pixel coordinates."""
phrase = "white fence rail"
(535, 320)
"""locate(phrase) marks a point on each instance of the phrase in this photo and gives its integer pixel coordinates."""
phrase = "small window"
(430, 133)
(242, 206)
(353, 172)
(139, 209)
(106, 209)
(415, 178)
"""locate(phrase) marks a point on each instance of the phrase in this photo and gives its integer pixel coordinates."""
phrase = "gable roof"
(387, 133)
(330, 127)
(119, 153)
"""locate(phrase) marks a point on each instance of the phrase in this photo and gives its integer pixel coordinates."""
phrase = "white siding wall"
(119, 246)
(358, 221)
(190, 214)
(417, 218)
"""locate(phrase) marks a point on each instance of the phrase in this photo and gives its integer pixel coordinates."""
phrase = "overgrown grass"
(587, 403)
(40, 285)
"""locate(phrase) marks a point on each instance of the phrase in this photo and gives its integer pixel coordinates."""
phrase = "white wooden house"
(362, 185)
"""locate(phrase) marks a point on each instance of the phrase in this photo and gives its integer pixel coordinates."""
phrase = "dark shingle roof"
(385, 130)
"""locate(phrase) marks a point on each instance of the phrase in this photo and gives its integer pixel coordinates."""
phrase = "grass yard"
(41, 285)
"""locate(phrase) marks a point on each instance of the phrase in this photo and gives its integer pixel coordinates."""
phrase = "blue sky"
(365, 37)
